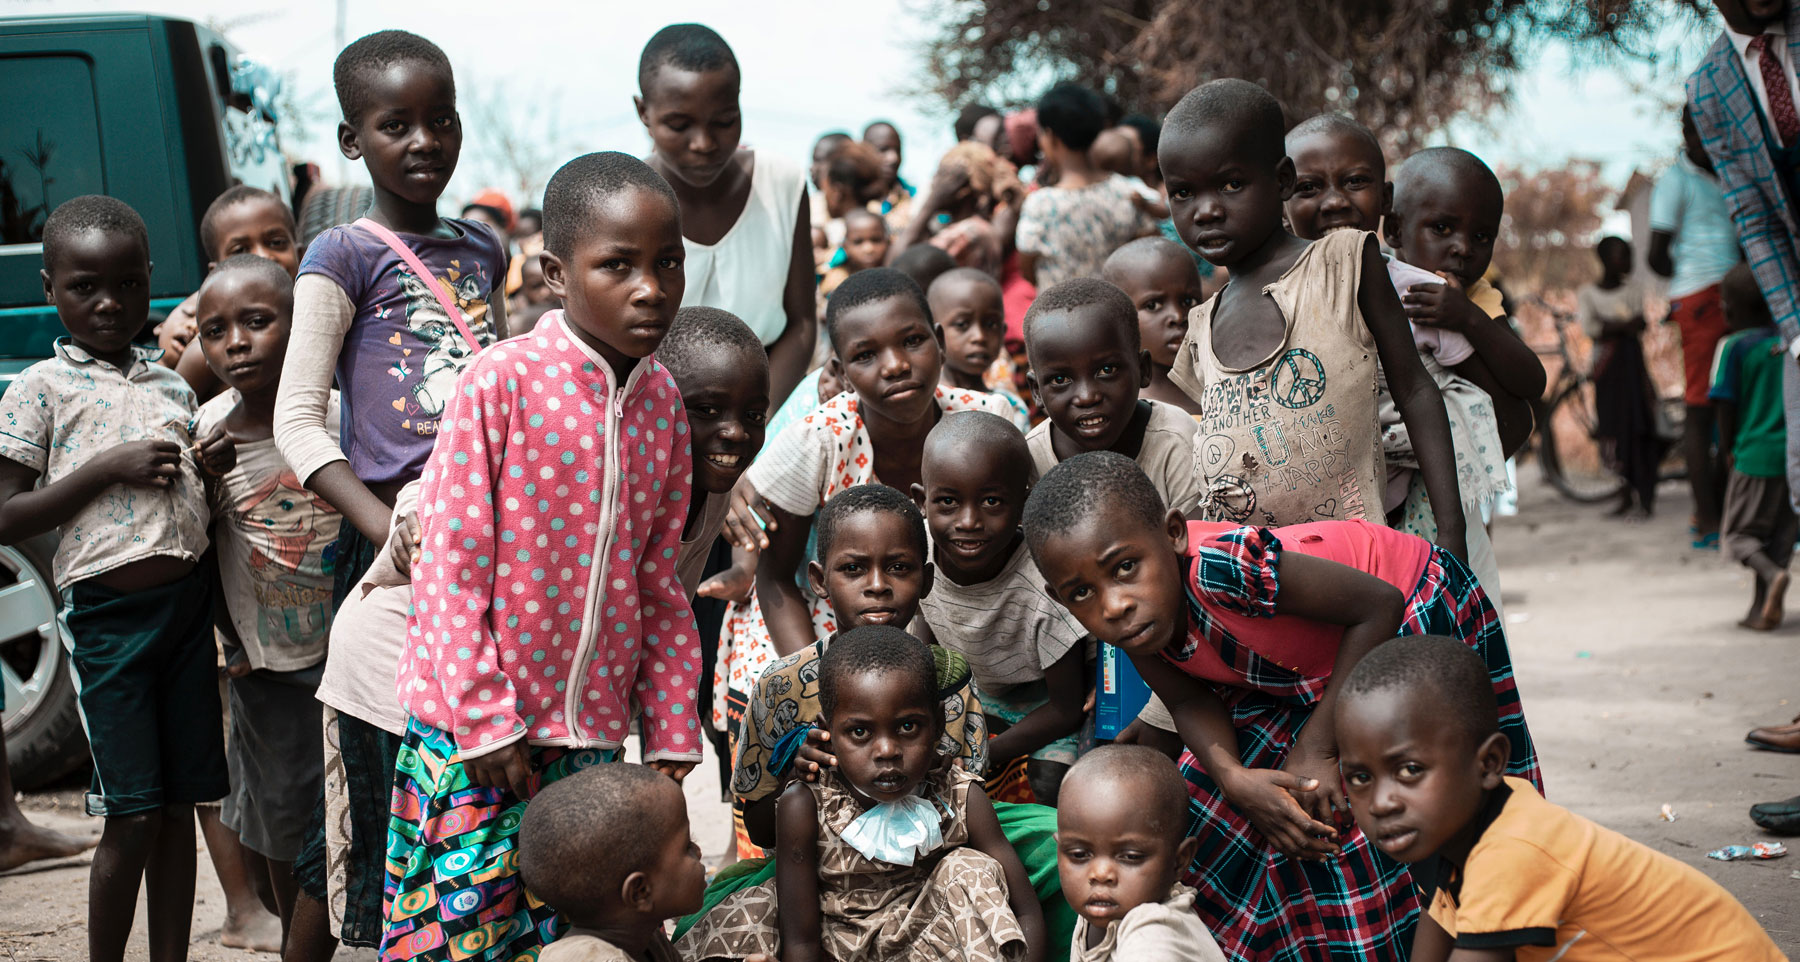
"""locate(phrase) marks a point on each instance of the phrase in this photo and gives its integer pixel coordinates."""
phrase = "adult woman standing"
(744, 213)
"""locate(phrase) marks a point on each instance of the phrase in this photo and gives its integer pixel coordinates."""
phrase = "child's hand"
(733, 584)
(674, 769)
(1442, 306)
(147, 464)
(217, 452)
(749, 519)
(508, 769)
(1265, 796)
(1325, 803)
(406, 543)
(812, 757)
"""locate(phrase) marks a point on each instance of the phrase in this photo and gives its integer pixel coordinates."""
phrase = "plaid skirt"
(1262, 906)
(453, 889)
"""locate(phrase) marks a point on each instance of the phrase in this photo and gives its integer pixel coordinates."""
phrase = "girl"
(892, 853)
(1612, 313)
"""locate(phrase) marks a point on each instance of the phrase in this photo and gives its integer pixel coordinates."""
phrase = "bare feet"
(25, 842)
(1772, 610)
(258, 931)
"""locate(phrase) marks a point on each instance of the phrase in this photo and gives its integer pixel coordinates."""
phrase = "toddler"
(1504, 874)
(1159, 277)
(866, 244)
(1120, 849)
(988, 604)
(276, 544)
(1759, 525)
(971, 325)
(98, 446)
(547, 610)
(893, 853)
(1066, 230)
(1283, 360)
(1241, 633)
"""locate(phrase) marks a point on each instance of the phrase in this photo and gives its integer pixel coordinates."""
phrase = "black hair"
(78, 215)
(1238, 110)
(497, 215)
(582, 184)
(854, 166)
(1081, 292)
(702, 331)
(1151, 248)
(233, 196)
(1141, 779)
(880, 123)
(923, 263)
(966, 430)
(532, 212)
(878, 650)
(856, 500)
(1075, 114)
(973, 274)
(1080, 487)
(254, 264)
(1469, 172)
(1431, 666)
(1335, 124)
(684, 46)
(968, 117)
(867, 287)
(1149, 131)
(1613, 241)
(833, 137)
(575, 851)
(374, 53)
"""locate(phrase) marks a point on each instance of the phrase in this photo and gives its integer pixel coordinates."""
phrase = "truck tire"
(44, 737)
(328, 207)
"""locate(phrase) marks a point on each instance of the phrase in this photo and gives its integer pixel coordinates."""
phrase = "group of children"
(511, 526)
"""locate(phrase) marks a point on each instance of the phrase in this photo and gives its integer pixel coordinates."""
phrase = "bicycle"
(1565, 439)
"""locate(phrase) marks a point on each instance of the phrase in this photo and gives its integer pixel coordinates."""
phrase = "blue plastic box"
(1119, 693)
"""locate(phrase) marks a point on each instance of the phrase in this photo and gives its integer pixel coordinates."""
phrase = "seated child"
(893, 853)
(1505, 874)
(865, 246)
(99, 447)
(1758, 523)
(1284, 358)
(615, 880)
(988, 603)
(1240, 632)
(1121, 847)
(521, 673)
(1087, 367)
(275, 554)
(971, 325)
(1163, 284)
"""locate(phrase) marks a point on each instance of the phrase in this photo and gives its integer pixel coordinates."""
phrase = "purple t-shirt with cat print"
(401, 355)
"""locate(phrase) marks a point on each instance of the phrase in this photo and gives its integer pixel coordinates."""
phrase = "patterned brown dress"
(951, 905)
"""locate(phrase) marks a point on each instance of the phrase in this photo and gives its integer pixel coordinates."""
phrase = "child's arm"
(1514, 365)
(1430, 942)
(985, 836)
(1420, 404)
(797, 876)
(1059, 716)
(669, 671)
(1726, 417)
(27, 511)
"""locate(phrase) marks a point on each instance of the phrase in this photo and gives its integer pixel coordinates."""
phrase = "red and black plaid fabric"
(1260, 905)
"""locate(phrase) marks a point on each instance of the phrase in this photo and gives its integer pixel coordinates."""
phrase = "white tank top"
(746, 272)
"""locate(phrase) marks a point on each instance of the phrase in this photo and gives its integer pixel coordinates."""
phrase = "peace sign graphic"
(1298, 379)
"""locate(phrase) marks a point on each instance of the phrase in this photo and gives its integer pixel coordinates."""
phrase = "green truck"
(163, 114)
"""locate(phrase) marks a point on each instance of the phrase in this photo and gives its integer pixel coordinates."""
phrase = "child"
(1120, 848)
(275, 555)
(865, 246)
(893, 853)
(895, 201)
(1286, 381)
(1087, 367)
(1067, 230)
(1612, 313)
(880, 328)
(1506, 874)
(1160, 279)
(1758, 520)
(614, 879)
(924, 264)
(520, 676)
(1026, 651)
(971, 325)
(533, 300)
(1241, 632)
(98, 446)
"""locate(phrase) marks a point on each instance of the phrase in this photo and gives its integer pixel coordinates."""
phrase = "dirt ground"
(1636, 683)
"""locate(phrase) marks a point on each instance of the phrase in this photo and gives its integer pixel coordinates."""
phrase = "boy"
(1758, 522)
(1067, 230)
(1027, 652)
(106, 430)
(547, 614)
(615, 880)
(275, 541)
(1506, 874)
(1087, 367)
(1163, 283)
(1120, 849)
(865, 246)
(970, 317)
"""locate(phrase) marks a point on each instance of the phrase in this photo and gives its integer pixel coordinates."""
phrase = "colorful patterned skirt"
(453, 888)
(1262, 906)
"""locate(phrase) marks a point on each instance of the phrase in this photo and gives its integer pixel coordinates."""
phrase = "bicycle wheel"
(1568, 454)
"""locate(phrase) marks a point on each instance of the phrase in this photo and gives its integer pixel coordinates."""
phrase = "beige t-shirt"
(697, 541)
(1009, 629)
(1596, 306)
(1293, 437)
(1167, 454)
(592, 948)
(367, 635)
(1166, 931)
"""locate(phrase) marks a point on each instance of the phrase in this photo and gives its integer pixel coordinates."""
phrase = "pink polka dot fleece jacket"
(545, 602)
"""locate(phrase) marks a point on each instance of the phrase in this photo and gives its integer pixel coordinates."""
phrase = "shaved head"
(1238, 111)
(1138, 776)
(1447, 166)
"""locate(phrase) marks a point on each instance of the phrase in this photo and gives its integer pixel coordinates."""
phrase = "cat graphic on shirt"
(432, 378)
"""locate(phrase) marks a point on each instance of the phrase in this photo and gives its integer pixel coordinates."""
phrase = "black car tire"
(44, 737)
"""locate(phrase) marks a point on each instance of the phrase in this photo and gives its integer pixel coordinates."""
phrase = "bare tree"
(517, 133)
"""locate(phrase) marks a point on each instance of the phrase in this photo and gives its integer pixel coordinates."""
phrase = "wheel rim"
(1573, 456)
(31, 642)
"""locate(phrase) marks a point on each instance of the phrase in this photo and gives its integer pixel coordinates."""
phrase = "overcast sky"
(813, 66)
